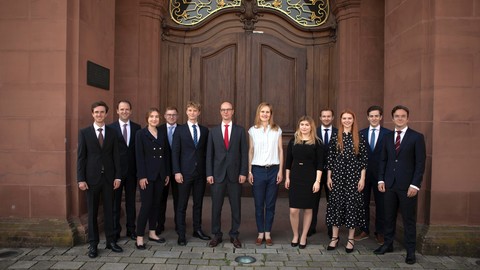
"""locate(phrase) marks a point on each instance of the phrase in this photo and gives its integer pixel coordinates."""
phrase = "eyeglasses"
(171, 115)
(226, 110)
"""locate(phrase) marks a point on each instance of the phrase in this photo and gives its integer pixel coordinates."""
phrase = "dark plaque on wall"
(98, 76)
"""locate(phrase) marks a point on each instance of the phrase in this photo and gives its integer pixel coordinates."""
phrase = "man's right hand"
(179, 178)
(82, 186)
(381, 187)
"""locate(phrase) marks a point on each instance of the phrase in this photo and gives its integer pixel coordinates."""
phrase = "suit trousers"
(265, 191)
(150, 197)
(129, 185)
(394, 199)
(372, 183)
(218, 191)
(196, 185)
(323, 185)
(163, 204)
(104, 190)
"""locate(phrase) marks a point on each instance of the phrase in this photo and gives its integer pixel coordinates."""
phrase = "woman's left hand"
(279, 177)
(316, 187)
(361, 184)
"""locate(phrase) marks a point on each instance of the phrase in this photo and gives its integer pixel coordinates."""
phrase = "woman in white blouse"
(265, 162)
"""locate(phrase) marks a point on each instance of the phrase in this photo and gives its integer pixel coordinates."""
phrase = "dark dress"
(303, 161)
(345, 204)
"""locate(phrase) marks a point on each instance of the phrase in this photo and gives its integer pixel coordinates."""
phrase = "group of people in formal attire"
(347, 163)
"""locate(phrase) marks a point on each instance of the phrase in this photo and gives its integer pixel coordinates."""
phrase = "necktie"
(397, 141)
(372, 139)
(325, 137)
(124, 133)
(100, 137)
(170, 135)
(195, 135)
(225, 138)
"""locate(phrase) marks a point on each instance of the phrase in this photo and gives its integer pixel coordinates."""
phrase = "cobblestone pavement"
(197, 254)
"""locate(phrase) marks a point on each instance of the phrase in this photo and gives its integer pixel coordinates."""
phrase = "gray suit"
(226, 165)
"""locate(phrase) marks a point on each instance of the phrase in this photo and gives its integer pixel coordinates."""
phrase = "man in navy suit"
(227, 169)
(325, 132)
(98, 173)
(400, 177)
(125, 131)
(188, 164)
(374, 135)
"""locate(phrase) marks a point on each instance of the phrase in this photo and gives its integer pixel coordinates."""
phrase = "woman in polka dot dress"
(346, 165)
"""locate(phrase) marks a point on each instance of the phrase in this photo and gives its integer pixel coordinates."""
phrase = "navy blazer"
(127, 153)
(375, 155)
(326, 147)
(185, 156)
(408, 166)
(92, 158)
(232, 161)
(152, 155)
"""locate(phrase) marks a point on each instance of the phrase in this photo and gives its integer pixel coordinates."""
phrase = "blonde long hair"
(258, 122)
(312, 135)
(355, 135)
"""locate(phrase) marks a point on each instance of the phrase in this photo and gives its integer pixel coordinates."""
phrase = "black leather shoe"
(132, 235)
(182, 241)
(159, 240)
(311, 232)
(140, 247)
(236, 242)
(383, 249)
(410, 259)
(92, 251)
(215, 241)
(201, 235)
(114, 247)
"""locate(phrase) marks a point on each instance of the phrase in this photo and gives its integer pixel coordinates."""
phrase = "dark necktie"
(100, 137)
(397, 141)
(372, 139)
(325, 137)
(195, 135)
(124, 133)
(225, 138)
(170, 135)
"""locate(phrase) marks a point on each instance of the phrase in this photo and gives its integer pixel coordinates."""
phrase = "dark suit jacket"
(375, 155)
(185, 156)
(222, 162)
(92, 158)
(320, 135)
(408, 166)
(127, 153)
(152, 155)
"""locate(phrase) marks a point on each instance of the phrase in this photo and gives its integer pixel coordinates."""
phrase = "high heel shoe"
(334, 239)
(300, 246)
(352, 242)
(294, 244)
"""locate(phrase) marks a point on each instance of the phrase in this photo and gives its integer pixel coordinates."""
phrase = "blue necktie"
(195, 135)
(170, 135)
(325, 137)
(372, 139)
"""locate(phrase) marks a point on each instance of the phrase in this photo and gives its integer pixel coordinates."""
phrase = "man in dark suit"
(188, 164)
(325, 132)
(374, 135)
(227, 169)
(125, 131)
(171, 115)
(400, 176)
(98, 173)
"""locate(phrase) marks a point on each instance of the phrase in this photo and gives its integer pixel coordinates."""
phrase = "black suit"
(371, 181)
(153, 163)
(323, 181)
(163, 204)
(98, 166)
(189, 160)
(226, 165)
(399, 171)
(129, 178)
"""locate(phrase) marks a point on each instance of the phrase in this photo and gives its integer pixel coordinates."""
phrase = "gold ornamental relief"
(192, 12)
(308, 13)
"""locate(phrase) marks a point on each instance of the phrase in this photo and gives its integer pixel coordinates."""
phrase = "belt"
(266, 166)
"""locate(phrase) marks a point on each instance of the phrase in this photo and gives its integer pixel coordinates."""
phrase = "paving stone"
(166, 254)
(92, 266)
(22, 265)
(108, 259)
(39, 251)
(300, 257)
(214, 256)
(199, 262)
(276, 257)
(5, 264)
(186, 267)
(42, 265)
(296, 263)
(137, 266)
(320, 264)
(114, 266)
(190, 255)
(165, 267)
(265, 251)
(25, 258)
(131, 260)
(209, 267)
(67, 265)
(63, 258)
(178, 261)
(42, 258)
(154, 260)
(57, 251)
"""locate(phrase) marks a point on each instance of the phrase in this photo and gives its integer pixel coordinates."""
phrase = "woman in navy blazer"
(153, 171)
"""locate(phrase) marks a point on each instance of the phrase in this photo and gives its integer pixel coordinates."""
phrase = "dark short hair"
(171, 108)
(124, 101)
(375, 108)
(327, 110)
(150, 111)
(99, 103)
(400, 107)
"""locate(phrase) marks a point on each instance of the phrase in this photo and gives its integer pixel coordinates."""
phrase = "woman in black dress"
(304, 165)
(346, 165)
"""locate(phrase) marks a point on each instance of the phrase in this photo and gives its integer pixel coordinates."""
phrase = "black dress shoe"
(132, 235)
(114, 247)
(140, 247)
(311, 232)
(410, 259)
(383, 249)
(182, 241)
(201, 235)
(293, 244)
(300, 246)
(159, 240)
(92, 251)
(215, 241)
(236, 243)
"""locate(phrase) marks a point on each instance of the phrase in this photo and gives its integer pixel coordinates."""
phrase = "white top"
(265, 145)
(128, 129)
(229, 129)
